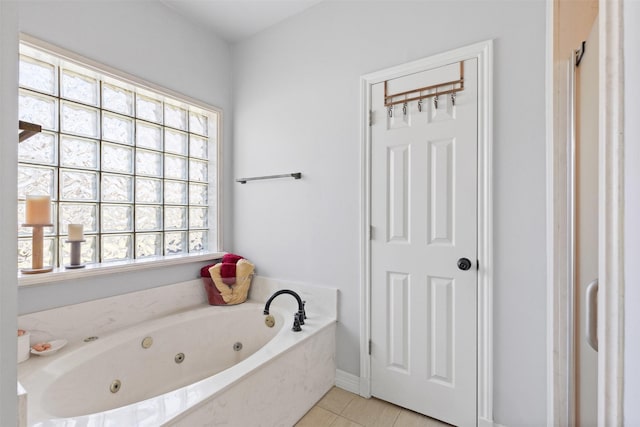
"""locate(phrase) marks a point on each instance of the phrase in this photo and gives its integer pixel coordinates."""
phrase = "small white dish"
(55, 346)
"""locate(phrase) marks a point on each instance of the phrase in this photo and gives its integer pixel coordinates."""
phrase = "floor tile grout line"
(342, 415)
(395, 420)
(347, 419)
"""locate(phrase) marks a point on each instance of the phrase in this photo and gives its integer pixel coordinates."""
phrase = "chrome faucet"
(298, 318)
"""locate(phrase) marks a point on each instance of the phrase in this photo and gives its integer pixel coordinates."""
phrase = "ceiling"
(236, 20)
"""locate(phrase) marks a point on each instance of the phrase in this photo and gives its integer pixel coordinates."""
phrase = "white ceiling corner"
(236, 20)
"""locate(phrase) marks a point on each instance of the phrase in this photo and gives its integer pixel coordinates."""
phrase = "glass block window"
(135, 166)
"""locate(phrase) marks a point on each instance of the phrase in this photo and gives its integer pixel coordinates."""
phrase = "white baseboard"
(347, 381)
(483, 422)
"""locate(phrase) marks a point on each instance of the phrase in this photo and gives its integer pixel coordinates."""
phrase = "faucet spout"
(299, 316)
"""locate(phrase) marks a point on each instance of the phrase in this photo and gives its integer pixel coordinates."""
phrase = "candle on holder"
(76, 232)
(76, 237)
(37, 215)
(38, 210)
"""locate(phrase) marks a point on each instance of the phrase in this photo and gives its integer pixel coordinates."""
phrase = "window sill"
(61, 274)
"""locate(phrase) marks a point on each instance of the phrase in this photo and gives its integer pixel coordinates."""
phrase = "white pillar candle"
(38, 210)
(76, 232)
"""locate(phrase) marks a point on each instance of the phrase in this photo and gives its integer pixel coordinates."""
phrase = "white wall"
(631, 213)
(143, 38)
(151, 42)
(8, 232)
(296, 108)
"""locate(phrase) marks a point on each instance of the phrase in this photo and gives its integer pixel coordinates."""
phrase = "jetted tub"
(204, 366)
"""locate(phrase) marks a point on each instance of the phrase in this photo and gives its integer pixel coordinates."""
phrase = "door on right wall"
(424, 273)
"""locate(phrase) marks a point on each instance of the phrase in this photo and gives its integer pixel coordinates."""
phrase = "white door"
(586, 268)
(424, 220)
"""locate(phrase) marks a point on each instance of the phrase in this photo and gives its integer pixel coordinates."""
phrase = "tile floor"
(340, 408)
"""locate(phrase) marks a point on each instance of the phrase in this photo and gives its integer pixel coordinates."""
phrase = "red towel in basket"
(228, 273)
(228, 268)
(231, 258)
(204, 271)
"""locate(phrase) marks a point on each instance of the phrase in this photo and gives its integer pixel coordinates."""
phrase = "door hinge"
(369, 347)
(371, 232)
(370, 118)
(478, 264)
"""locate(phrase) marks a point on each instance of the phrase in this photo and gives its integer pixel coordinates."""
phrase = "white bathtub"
(272, 381)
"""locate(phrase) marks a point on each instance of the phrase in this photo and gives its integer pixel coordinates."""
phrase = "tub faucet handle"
(296, 323)
(300, 316)
(304, 310)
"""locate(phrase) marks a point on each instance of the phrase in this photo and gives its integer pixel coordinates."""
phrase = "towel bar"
(294, 175)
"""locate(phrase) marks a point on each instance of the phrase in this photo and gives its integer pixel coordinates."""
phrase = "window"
(135, 166)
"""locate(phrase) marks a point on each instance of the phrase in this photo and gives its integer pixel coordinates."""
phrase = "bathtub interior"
(185, 349)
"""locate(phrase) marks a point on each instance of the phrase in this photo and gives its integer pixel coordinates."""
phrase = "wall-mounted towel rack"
(294, 175)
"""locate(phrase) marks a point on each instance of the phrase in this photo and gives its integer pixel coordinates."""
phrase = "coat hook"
(435, 101)
(390, 111)
(453, 99)
(420, 105)
(404, 109)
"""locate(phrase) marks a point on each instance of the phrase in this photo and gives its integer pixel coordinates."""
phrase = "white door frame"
(610, 234)
(611, 229)
(483, 51)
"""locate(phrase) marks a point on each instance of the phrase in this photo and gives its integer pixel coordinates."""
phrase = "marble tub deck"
(316, 358)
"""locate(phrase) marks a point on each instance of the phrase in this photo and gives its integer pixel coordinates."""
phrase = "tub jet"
(179, 358)
(115, 386)
(237, 346)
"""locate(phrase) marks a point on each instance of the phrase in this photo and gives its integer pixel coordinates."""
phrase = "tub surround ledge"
(94, 318)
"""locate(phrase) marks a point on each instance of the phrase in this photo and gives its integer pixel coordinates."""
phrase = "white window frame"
(215, 182)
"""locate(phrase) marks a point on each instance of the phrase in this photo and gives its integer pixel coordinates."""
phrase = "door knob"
(464, 264)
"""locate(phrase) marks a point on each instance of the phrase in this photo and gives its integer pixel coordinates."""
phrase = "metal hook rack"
(294, 175)
(433, 91)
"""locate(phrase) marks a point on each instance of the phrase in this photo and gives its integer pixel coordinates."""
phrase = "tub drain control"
(147, 342)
